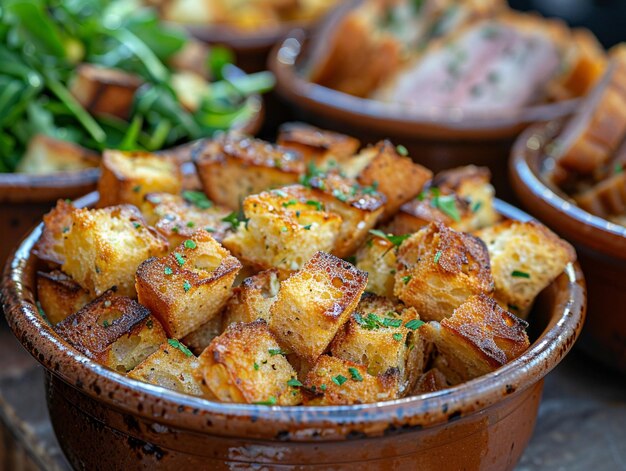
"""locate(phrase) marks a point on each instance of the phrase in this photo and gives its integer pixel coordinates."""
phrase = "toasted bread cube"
(431, 381)
(253, 299)
(115, 331)
(284, 229)
(177, 217)
(396, 176)
(360, 209)
(377, 257)
(104, 247)
(57, 223)
(246, 364)
(323, 148)
(478, 338)
(59, 295)
(128, 176)
(382, 335)
(314, 303)
(232, 167)
(333, 381)
(105, 91)
(45, 154)
(525, 258)
(202, 337)
(190, 286)
(172, 366)
(439, 268)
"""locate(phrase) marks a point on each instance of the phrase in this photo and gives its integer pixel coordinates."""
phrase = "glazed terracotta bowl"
(601, 245)
(104, 420)
(24, 199)
(438, 139)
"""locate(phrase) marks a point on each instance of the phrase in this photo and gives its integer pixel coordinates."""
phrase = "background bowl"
(105, 420)
(601, 245)
(439, 139)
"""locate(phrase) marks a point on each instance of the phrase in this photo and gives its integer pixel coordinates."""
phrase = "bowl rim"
(269, 422)
(526, 157)
(297, 89)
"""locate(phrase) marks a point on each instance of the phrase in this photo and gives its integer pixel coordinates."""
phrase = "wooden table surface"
(581, 424)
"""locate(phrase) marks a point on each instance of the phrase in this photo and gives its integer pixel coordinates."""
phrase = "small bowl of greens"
(81, 76)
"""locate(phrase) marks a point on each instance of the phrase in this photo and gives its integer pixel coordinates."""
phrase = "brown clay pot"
(105, 420)
(439, 140)
(601, 245)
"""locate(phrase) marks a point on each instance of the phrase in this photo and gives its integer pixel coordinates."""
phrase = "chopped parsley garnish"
(150, 324)
(136, 225)
(307, 227)
(177, 344)
(397, 337)
(520, 274)
(356, 376)
(402, 150)
(209, 229)
(373, 321)
(186, 286)
(281, 193)
(234, 219)
(351, 259)
(312, 171)
(270, 402)
(370, 190)
(276, 351)
(168, 271)
(619, 168)
(294, 383)
(66, 230)
(476, 206)
(437, 256)
(176, 229)
(392, 322)
(323, 387)
(394, 239)
(190, 244)
(191, 224)
(283, 229)
(137, 188)
(106, 324)
(447, 205)
(513, 307)
(319, 206)
(198, 199)
(289, 203)
(414, 324)
(340, 195)
(256, 366)
(406, 279)
(179, 258)
(339, 380)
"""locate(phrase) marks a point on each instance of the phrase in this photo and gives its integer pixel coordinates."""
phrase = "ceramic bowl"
(104, 420)
(601, 245)
(438, 139)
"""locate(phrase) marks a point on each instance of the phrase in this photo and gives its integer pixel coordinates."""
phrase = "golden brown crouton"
(525, 258)
(439, 268)
(382, 335)
(114, 331)
(478, 338)
(245, 364)
(56, 224)
(172, 366)
(190, 286)
(177, 217)
(59, 295)
(323, 148)
(284, 228)
(232, 167)
(200, 338)
(333, 381)
(314, 303)
(360, 208)
(104, 91)
(45, 154)
(104, 247)
(128, 176)
(253, 298)
(431, 381)
(382, 168)
(377, 257)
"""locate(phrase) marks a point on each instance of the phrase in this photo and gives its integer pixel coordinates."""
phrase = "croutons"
(284, 228)
(56, 224)
(232, 167)
(333, 381)
(177, 217)
(46, 154)
(114, 331)
(525, 258)
(104, 91)
(253, 298)
(382, 335)
(396, 176)
(431, 381)
(245, 364)
(189, 286)
(128, 176)
(359, 208)
(439, 268)
(478, 338)
(104, 247)
(59, 295)
(377, 257)
(200, 338)
(172, 366)
(323, 148)
(314, 303)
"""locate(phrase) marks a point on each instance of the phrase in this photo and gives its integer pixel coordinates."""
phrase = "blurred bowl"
(600, 244)
(104, 420)
(438, 139)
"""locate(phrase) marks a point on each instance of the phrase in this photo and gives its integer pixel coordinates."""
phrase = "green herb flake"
(283, 229)
(179, 258)
(291, 202)
(190, 244)
(323, 387)
(387, 322)
(619, 168)
(198, 199)
(177, 344)
(256, 366)
(339, 380)
(402, 150)
(406, 279)
(307, 227)
(520, 274)
(340, 195)
(414, 324)
(437, 256)
(191, 224)
(397, 337)
(270, 402)
(234, 219)
(137, 188)
(186, 286)
(476, 206)
(293, 382)
(319, 206)
(176, 229)
(447, 205)
(106, 324)
(168, 271)
(276, 351)
(351, 259)
(136, 225)
(66, 230)
(356, 376)
(396, 240)
(210, 230)
(150, 324)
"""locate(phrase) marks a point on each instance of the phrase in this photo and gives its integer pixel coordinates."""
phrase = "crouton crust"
(56, 223)
(378, 258)
(59, 295)
(317, 145)
(253, 299)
